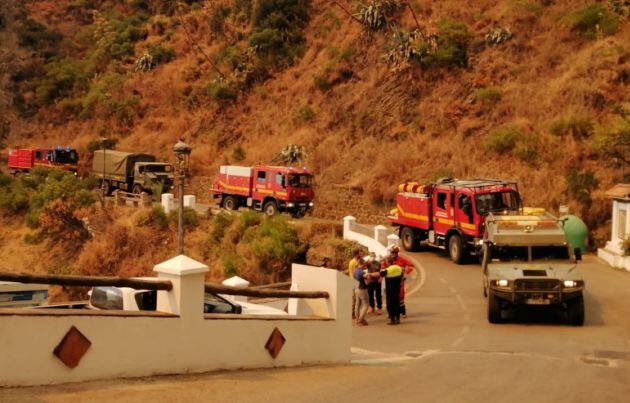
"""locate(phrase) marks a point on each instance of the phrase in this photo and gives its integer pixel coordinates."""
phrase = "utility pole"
(182, 152)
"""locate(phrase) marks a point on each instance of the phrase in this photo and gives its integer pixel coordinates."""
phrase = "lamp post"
(182, 152)
(103, 185)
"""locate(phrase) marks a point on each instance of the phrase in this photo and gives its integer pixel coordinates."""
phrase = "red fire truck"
(270, 189)
(451, 213)
(23, 160)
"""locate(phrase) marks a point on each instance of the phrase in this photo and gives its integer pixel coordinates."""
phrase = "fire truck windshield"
(499, 201)
(300, 180)
(66, 156)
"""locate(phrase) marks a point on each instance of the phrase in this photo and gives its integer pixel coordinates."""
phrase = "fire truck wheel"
(229, 203)
(456, 249)
(409, 239)
(270, 208)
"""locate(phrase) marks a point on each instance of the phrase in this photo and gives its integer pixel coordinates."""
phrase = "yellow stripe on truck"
(232, 187)
(411, 215)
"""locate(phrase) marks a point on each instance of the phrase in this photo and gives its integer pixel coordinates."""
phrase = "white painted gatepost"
(613, 253)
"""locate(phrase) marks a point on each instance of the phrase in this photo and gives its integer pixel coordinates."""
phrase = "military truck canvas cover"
(524, 230)
(118, 164)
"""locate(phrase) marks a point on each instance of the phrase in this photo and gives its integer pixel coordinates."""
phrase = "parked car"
(129, 299)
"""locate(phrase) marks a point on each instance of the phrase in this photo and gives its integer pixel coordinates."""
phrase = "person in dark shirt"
(360, 293)
(393, 280)
(374, 285)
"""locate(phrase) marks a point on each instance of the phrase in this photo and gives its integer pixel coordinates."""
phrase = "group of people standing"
(369, 273)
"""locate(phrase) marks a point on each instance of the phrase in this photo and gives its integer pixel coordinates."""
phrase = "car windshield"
(214, 304)
(553, 252)
(300, 180)
(106, 298)
(66, 156)
(500, 253)
(158, 168)
(499, 201)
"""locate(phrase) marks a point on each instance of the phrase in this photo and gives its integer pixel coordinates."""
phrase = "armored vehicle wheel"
(494, 308)
(270, 208)
(409, 239)
(456, 249)
(106, 188)
(230, 203)
(575, 311)
(137, 189)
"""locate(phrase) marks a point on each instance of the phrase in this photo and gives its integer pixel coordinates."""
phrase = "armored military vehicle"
(527, 261)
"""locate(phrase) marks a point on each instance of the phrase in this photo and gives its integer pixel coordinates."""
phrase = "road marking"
(452, 289)
(422, 273)
(442, 280)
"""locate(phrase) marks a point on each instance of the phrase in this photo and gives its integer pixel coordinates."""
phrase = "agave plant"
(497, 36)
(374, 14)
(407, 47)
(291, 154)
(144, 63)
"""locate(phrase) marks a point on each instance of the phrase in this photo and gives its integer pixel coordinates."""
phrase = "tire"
(494, 308)
(456, 249)
(575, 312)
(409, 239)
(137, 189)
(230, 203)
(270, 208)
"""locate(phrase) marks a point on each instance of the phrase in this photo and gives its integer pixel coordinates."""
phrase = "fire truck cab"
(451, 213)
(270, 189)
(24, 160)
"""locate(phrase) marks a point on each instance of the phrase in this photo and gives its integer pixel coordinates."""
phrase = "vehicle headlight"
(311, 204)
(290, 204)
(502, 283)
(570, 283)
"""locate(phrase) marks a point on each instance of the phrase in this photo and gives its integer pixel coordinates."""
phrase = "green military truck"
(131, 172)
(527, 261)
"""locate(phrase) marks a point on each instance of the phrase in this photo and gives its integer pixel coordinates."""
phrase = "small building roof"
(619, 191)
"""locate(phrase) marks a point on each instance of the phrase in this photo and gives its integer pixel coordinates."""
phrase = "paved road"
(444, 351)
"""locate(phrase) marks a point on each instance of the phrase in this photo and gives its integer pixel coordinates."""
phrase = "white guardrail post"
(167, 202)
(392, 240)
(348, 225)
(380, 234)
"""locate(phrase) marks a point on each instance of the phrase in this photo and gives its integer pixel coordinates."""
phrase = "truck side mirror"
(578, 254)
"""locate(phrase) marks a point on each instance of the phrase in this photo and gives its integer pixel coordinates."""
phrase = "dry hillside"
(532, 90)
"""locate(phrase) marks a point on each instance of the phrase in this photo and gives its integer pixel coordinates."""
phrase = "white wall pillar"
(187, 296)
(167, 202)
(348, 224)
(190, 201)
(392, 240)
(615, 221)
(236, 281)
(380, 234)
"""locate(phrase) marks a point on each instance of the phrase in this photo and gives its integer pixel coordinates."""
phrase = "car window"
(441, 200)
(261, 176)
(280, 180)
(214, 304)
(106, 298)
(550, 252)
(146, 300)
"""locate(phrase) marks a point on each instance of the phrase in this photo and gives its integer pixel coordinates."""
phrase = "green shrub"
(611, 141)
(220, 223)
(221, 91)
(453, 41)
(527, 151)
(191, 218)
(277, 36)
(304, 114)
(488, 95)
(322, 83)
(275, 243)
(156, 217)
(249, 219)
(238, 153)
(161, 54)
(217, 19)
(38, 37)
(580, 185)
(503, 140)
(63, 78)
(592, 21)
(578, 127)
(231, 263)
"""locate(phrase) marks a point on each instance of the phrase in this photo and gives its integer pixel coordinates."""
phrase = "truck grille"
(536, 285)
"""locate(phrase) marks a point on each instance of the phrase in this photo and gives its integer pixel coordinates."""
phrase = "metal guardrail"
(137, 200)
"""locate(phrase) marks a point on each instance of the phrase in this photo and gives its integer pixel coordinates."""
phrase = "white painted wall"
(374, 244)
(187, 343)
(613, 253)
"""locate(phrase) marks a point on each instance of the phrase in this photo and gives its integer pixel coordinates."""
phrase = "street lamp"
(103, 185)
(182, 153)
